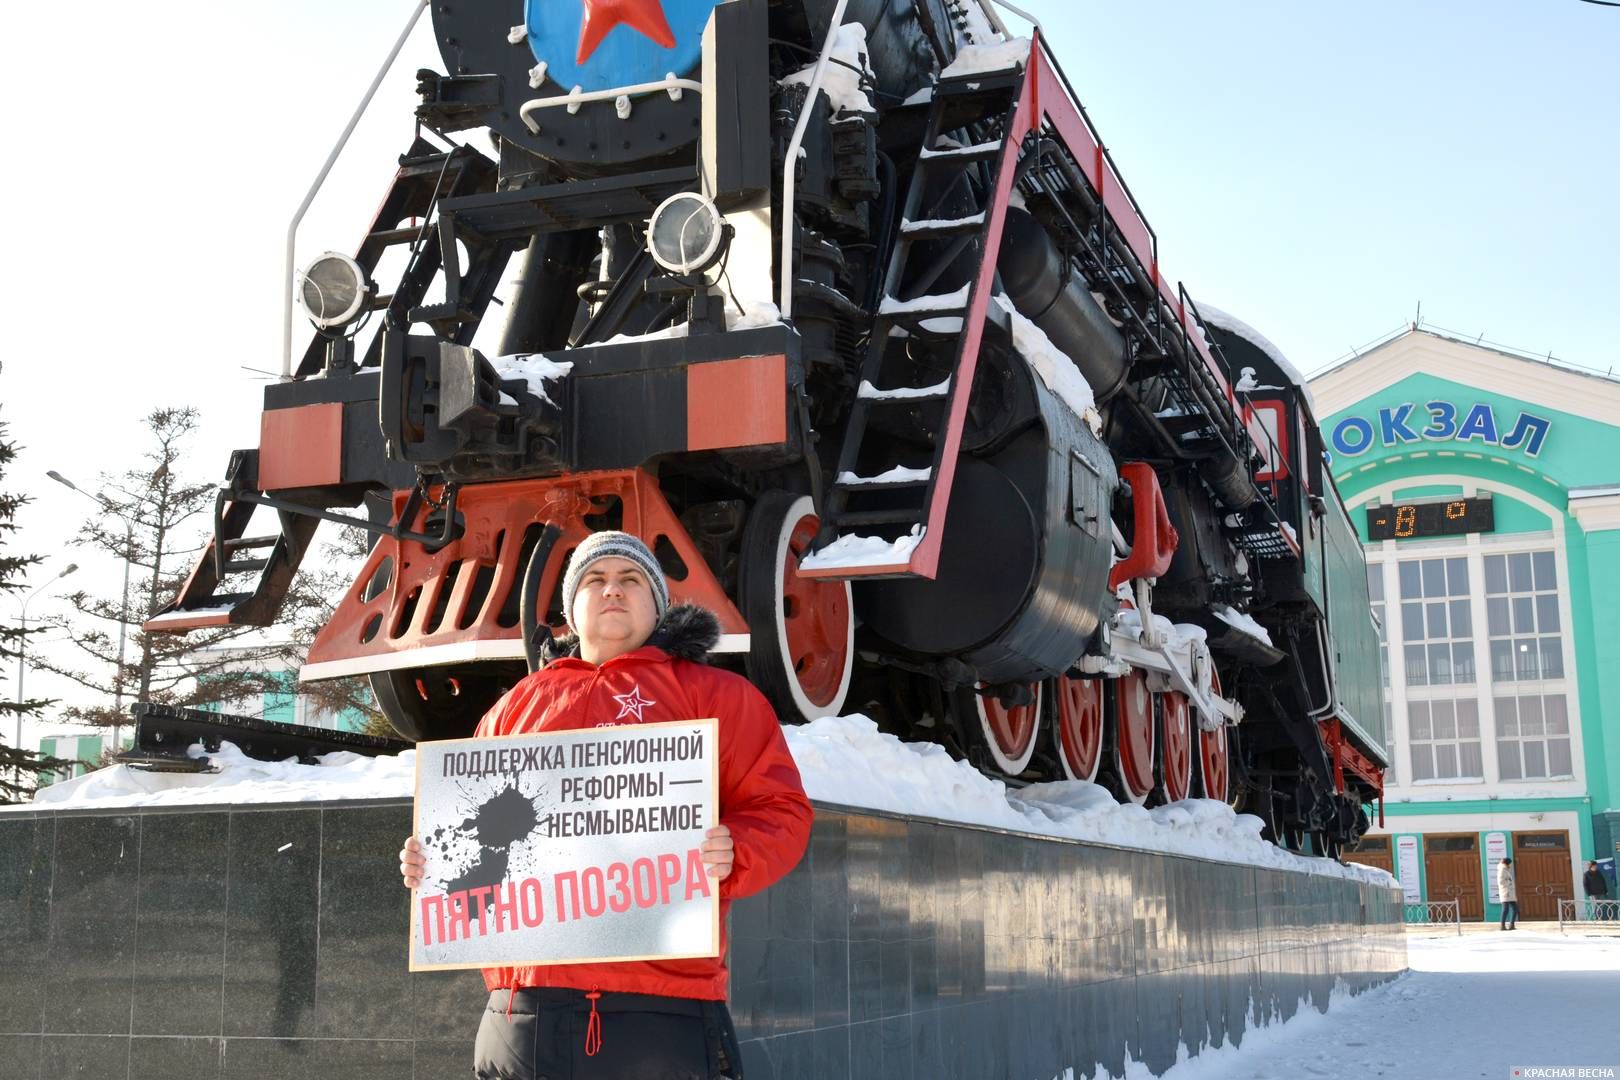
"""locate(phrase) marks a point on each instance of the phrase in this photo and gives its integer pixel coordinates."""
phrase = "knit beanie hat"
(613, 545)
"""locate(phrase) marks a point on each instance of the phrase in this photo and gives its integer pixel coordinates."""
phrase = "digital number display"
(1408, 521)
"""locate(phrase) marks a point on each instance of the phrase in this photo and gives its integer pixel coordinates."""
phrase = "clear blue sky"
(1314, 169)
(1317, 169)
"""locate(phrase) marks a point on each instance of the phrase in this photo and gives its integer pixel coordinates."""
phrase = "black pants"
(1510, 911)
(642, 1037)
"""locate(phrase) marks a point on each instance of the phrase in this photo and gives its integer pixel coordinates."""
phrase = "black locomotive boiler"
(842, 306)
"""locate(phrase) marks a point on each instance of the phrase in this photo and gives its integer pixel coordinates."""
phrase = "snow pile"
(1248, 382)
(975, 23)
(900, 474)
(1220, 320)
(1127, 623)
(898, 393)
(236, 778)
(952, 301)
(984, 59)
(1242, 620)
(841, 81)
(842, 759)
(752, 314)
(850, 551)
(534, 369)
(847, 761)
(1054, 367)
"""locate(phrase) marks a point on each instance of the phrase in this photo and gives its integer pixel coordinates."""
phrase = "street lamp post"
(22, 651)
(123, 609)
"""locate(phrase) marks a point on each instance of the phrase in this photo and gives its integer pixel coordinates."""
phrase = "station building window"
(1437, 627)
(1444, 739)
(1521, 610)
(1532, 737)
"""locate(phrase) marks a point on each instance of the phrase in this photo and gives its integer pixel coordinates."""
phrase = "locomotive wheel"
(1176, 759)
(1079, 726)
(1214, 764)
(1010, 731)
(1129, 754)
(423, 704)
(802, 649)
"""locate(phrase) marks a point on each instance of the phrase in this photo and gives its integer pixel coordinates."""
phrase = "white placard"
(1406, 869)
(1496, 849)
(566, 847)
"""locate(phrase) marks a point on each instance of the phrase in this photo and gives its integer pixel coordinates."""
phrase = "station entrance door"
(1452, 870)
(1544, 874)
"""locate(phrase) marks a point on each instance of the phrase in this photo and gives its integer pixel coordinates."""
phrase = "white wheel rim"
(1010, 766)
(802, 507)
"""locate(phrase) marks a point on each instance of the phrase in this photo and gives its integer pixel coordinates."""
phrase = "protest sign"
(566, 847)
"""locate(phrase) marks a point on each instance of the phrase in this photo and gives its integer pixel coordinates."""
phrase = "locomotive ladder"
(999, 103)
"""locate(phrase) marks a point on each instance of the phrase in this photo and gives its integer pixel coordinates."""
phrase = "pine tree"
(20, 768)
(157, 520)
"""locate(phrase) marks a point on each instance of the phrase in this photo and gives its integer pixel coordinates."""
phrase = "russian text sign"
(1439, 421)
(566, 847)
(1496, 849)
(1406, 869)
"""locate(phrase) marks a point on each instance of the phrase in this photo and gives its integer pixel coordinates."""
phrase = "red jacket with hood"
(762, 801)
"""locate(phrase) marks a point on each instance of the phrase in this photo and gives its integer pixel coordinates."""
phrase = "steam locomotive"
(844, 308)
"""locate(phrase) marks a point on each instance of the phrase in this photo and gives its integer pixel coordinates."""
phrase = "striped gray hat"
(613, 545)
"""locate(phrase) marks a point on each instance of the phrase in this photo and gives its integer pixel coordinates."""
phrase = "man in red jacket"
(634, 659)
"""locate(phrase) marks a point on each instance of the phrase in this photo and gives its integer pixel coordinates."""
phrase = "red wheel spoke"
(1178, 748)
(1134, 733)
(1010, 731)
(1214, 768)
(1080, 727)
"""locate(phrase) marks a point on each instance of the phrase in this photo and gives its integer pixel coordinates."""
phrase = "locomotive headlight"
(687, 233)
(333, 290)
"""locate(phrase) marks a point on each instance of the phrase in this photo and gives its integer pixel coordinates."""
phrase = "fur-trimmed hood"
(686, 632)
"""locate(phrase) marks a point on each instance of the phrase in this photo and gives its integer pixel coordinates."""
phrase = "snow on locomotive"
(842, 306)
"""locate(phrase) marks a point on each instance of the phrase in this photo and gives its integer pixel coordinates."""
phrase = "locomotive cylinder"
(1037, 280)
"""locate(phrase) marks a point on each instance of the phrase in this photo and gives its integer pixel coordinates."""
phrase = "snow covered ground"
(1481, 1005)
(844, 760)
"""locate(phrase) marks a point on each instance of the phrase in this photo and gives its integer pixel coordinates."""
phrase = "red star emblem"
(602, 16)
(631, 704)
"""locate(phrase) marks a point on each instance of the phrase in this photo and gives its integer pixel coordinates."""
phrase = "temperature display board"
(1408, 521)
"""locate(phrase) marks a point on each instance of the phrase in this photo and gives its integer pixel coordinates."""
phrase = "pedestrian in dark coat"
(634, 659)
(1596, 887)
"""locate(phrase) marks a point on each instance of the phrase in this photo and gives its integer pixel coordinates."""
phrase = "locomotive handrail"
(320, 179)
(989, 9)
(576, 97)
(790, 164)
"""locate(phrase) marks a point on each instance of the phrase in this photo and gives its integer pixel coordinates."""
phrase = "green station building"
(1486, 485)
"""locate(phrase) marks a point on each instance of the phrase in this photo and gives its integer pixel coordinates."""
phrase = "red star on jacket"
(631, 704)
(602, 16)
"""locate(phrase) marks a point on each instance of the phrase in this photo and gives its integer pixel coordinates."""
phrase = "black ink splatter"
(504, 820)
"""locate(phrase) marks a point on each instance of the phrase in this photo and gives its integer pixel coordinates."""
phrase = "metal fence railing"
(1435, 913)
(1588, 911)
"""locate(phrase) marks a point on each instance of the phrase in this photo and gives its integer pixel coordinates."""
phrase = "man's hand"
(718, 852)
(412, 863)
